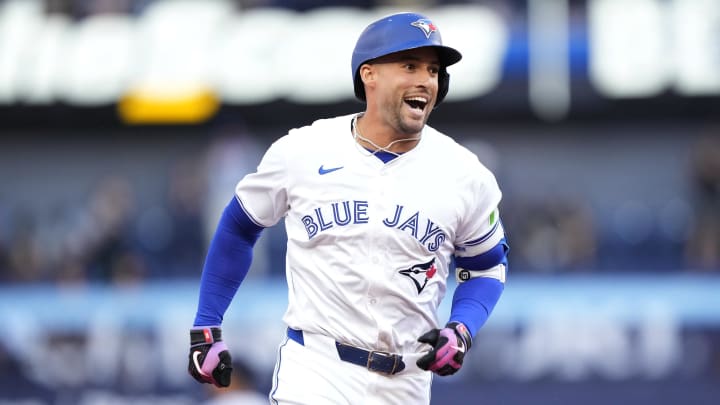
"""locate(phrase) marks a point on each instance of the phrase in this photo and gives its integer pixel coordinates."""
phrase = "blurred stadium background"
(125, 125)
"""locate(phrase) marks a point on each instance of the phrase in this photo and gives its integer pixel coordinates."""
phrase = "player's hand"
(210, 360)
(449, 346)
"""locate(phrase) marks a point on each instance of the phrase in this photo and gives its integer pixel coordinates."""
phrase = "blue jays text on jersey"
(356, 212)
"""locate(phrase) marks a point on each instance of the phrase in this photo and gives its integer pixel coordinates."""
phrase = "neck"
(375, 136)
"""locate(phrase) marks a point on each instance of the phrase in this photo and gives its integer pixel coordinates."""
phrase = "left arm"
(481, 281)
(481, 263)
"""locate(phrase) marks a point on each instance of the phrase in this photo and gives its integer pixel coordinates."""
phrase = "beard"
(410, 127)
(404, 124)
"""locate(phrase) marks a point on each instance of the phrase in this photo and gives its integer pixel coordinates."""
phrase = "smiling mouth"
(418, 103)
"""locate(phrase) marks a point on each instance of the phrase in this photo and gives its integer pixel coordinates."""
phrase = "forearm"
(226, 265)
(474, 301)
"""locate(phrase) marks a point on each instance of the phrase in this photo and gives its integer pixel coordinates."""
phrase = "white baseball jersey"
(370, 243)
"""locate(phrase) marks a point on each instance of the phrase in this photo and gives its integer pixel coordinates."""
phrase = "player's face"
(407, 84)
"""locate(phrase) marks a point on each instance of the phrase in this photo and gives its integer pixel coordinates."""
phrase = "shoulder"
(321, 137)
(452, 154)
(324, 127)
(314, 136)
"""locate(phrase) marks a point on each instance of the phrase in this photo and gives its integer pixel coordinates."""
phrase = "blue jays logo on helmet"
(425, 25)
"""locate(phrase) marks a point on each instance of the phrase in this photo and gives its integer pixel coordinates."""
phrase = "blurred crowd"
(703, 247)
(109, 237)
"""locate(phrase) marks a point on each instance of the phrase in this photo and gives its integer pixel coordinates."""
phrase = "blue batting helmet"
(400, 32)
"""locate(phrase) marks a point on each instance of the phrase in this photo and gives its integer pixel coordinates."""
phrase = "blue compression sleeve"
(226, 264)
(474, 301)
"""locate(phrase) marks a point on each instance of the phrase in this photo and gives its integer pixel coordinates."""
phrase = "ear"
(367, 75)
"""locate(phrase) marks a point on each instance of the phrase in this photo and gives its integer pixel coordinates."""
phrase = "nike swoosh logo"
(460, 349)
(197, 364)
(322, 170)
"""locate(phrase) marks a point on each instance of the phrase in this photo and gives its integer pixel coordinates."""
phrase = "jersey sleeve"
(480, 253)
(481, 233)
(263, 194)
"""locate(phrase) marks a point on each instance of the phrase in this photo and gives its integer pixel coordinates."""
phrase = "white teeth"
(417, 102)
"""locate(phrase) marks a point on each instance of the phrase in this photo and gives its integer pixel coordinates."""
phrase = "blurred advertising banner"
(182, 62)
(593, 336)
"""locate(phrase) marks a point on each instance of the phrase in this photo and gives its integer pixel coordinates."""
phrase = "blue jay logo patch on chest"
(420, 274)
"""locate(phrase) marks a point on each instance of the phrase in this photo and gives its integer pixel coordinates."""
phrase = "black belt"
(380, 362)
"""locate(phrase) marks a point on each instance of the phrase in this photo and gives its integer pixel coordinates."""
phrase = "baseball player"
(379, 208)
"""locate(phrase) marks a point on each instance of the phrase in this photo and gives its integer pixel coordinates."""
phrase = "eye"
(409, 67)
(434, 70)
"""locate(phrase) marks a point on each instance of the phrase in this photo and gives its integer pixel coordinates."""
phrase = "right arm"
(259, 202)
(227, 263)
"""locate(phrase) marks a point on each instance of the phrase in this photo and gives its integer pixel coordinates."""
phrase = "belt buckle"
(388, 355)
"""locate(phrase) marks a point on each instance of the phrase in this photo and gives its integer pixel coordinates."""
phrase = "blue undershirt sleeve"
(475, 299)
(227, 263)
